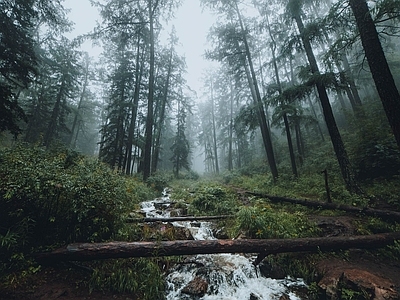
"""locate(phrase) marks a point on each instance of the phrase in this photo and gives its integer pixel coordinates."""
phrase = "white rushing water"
(229, 276)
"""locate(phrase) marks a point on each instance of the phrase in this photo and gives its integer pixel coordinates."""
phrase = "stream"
(218, 276)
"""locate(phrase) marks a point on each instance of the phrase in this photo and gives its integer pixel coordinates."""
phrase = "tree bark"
(150, 101)
(265, 131)
(177, 219)
(214, 132)
(128, 164)
(94, 251)
(385, 214)
(378, 65)
(333, 130)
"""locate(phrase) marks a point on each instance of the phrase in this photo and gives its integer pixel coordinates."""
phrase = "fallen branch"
(94, 251)
(386, 214)
(183, 218)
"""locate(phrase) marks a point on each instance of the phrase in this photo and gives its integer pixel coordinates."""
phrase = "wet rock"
(220, 233)
(197, 287)
(284, 297)
(161, 205)
(182, 233)
(254, 297)
(195, 224)
(175, 213)
(273, 271)
(341, 279)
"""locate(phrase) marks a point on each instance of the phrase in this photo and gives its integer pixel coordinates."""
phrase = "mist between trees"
(299, 85)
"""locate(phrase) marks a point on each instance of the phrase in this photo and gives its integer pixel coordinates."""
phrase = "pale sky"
(191, 24)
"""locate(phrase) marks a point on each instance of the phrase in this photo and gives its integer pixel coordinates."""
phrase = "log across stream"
(92, 251)
(215, 269)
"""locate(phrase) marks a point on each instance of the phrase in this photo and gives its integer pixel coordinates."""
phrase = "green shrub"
(261, 221)
(213, 199)
(141, 277)
(159, 181)
(53, 198)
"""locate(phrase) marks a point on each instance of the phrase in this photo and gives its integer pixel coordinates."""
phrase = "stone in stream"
(197, 287)
(273, 271)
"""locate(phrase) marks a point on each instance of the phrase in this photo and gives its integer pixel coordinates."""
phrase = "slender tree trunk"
(72, 141)
(134, 108)
(285, 118)
(266, 135)
(160, 122)
(378, 65)
(319, 129)
(214, 133)
(350, 77)
(150, 100)
(334, 133)
(230, 155)
(52, 127)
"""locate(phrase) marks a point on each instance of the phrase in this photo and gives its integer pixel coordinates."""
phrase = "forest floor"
(365, 272)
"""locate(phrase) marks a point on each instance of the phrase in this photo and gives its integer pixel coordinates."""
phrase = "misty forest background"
(295, 70)
(300, 87)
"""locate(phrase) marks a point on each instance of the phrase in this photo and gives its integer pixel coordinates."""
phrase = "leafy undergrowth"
(52, 198)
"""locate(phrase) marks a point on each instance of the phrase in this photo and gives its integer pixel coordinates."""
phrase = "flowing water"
(228, 276)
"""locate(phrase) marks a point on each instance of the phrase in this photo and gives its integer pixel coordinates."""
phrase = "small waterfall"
(227, 276)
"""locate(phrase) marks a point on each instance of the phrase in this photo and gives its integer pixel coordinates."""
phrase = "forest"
(296, 127)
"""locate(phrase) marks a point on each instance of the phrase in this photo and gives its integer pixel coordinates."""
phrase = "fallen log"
(386, 214)
(94, 251)
(182, 218)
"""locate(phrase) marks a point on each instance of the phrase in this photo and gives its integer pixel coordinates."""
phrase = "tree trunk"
(214, 133)
(72, 141)
(378, 65)
(150, 100)
(230, 147)
(385, 214)
(177, 219)
(285, 118)
(94, 251)
(134, 108)
(265, 132)
(334, 133)
(52, 127)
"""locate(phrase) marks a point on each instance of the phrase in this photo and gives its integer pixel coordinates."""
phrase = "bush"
(135, 276)
(56, 198)
(261, 221)
(159, 181)
(213, 199)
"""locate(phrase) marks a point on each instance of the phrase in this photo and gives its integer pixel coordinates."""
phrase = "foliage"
(261, 221)
(159, 181)
(372, 147)
(136, 276)
(211, 198)
(51, 198)
(17, 58)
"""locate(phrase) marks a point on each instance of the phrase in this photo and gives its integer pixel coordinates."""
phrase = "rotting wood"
(94, 251)
(177, 219)
(386, 214)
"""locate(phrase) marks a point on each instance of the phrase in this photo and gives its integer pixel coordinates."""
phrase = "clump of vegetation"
(159, 181)
(261, 221)
(213, 199)
(52, 198)
(136, 276)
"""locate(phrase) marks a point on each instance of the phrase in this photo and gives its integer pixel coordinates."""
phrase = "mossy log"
(384, 214)
(182, 218)
(94, 251)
